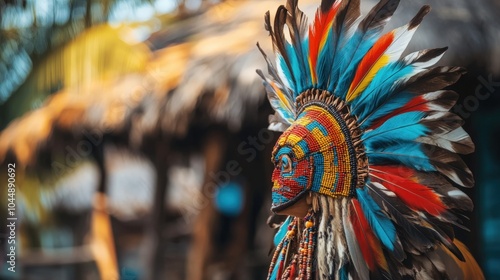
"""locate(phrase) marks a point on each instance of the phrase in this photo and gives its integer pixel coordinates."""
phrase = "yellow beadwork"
(336, 176)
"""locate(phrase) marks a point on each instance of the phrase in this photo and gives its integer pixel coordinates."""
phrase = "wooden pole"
(102, 242)
(153, 236)
(202, 239)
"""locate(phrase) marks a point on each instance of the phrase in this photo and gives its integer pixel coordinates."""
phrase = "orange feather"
(369, 61)
(318, 33)
(470, 268)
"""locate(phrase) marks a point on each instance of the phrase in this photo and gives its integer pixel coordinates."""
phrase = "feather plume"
(354, 249)
(424, 158)
(387, 49)
(433, 79)
(343, 26)
(360, 43)
(469, 267)
(457, 141)
(368, 243)
(389, 82)
(410, 126)
(440, 101)
(415, 238)
(417, 196)
(451, 196)
(370, 65)
(297, 26)
(425, 58)
(320, 32)
(381, 225)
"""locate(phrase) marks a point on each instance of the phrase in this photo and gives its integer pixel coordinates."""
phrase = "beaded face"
(316, 153)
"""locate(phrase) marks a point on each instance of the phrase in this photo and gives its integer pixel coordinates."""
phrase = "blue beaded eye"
(285, 163)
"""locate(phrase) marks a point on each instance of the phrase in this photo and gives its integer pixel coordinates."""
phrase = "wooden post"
(102, 241)
(154, 226)
(201, 246)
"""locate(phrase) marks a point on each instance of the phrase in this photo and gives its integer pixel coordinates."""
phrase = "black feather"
(419, 17)
(379, 15)
(413, 234)
(297, 24)
(450, 165)
(326, 5)
(426, 55)
(433, 79)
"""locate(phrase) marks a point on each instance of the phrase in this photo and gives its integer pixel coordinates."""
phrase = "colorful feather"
(354, 248)
(298, 50)
(320, 32)
(379, 222)
(281, 233)
(440, 101)
(360, 43)
(414, 237)
(416, 196)
(372, 62)
(368, 243)
(387, 49)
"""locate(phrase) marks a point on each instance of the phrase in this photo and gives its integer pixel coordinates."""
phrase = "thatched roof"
(198, 73)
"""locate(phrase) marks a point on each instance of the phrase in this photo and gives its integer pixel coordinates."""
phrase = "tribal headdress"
(369, 149)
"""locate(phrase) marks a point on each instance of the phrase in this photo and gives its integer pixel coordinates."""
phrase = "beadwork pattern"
(323, 147)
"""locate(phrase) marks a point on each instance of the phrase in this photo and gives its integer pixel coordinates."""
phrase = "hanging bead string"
(290, 271)
(307, 247)
(281, 253)
(301, 264)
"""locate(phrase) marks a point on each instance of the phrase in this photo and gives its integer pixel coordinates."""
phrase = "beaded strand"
(281, 251)
(302, 261)
(307, 246)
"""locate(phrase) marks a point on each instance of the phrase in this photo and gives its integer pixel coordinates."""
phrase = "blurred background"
(138, 133)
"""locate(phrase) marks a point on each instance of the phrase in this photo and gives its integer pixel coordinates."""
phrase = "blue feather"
(350, 56)
(380, 88)
(400, 128)
(381, 225)
(344, 272)
(278, 106)
(300, 72)
(392, 104)
(297, 70)
(306, 75)
(325, 61)
(281, 233)
(274, 274)
(294, 63)
(340, 42)
(286, 71)
(409, 154)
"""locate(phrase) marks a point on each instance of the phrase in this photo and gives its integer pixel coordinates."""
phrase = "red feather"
(292, 272)
(280, 268)
(369, 245)
(371, 58)
(415, 104)
(401, 181)
(318, 30)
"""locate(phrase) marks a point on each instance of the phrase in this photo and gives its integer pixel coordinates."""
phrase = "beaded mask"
(320, 152)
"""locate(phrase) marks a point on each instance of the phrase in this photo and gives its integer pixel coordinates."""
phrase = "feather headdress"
(368, 145)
